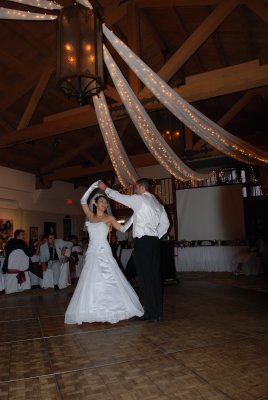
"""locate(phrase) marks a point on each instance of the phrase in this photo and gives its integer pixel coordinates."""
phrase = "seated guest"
(250, 261)
(18, 242)
(51, 256)
(17, 263)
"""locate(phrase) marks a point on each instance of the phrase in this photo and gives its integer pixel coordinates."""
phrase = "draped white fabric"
(195, 120)
(85, 3)
(47, 5)
(146, 128)
(8, 13)
(122, 166)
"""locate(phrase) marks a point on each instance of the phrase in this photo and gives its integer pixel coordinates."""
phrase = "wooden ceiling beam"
(13, 63)
(158, 39)
(49, 128)
(140, 160)
(185, 33)
(70, 155)
(198, 37)
(16, 92)
(89, 158)
(36, 95)
(203, 86)
(72, 113)
(43, 47)
(112, 93)
(223, 81)
(230, 114)
(115, 14)
(259, 8)
(236, 108)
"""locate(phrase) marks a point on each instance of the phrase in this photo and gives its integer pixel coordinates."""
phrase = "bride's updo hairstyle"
(96, 201)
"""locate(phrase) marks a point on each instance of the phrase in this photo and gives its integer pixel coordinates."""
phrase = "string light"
(47, 5)
(8, 13)
(125, 172)
(187, 114)
(85, 3)
(146, 128)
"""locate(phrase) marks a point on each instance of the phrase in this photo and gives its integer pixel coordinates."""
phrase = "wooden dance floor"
(212, 345)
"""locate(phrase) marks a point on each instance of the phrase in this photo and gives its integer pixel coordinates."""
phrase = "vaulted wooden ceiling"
(214, 53)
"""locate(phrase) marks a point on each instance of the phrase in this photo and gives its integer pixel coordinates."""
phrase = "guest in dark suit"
(18, 242)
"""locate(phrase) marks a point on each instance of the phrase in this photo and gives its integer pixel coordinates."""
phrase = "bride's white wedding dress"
(102, 294)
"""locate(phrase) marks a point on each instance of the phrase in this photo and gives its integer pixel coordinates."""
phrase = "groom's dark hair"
(146, 183)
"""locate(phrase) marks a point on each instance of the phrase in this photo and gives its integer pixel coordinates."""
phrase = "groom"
(150, 223)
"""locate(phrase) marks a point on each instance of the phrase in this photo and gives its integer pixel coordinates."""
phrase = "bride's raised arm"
(84, 199)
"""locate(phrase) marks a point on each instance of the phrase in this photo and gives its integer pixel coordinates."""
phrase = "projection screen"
(210, 213)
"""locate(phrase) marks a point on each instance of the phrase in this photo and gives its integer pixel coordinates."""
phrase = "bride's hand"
(86, 195)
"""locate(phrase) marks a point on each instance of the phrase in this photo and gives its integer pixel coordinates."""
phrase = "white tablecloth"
(215, 259)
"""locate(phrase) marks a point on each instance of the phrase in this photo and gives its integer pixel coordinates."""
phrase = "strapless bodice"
(97, 231)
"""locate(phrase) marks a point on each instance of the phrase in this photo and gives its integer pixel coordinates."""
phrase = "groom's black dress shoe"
(144, 317)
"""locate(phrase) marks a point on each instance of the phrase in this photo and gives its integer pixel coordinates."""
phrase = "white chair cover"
(35, 280)
(20, 261)
(2, 278)
(48, 280)
(2, 281)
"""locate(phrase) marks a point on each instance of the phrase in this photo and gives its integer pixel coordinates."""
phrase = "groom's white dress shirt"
(149, 218)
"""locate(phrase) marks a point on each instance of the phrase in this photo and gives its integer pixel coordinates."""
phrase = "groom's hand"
(102, 185)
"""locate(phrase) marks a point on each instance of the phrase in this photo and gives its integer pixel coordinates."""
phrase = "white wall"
(26, 206)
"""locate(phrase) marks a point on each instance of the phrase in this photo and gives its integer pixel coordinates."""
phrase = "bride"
(102, 294)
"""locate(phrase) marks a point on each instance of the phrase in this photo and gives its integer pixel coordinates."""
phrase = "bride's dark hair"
(96, 201)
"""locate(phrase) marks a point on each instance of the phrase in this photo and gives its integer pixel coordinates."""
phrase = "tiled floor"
(212, 345)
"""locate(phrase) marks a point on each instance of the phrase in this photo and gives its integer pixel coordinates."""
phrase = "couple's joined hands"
(102, 185)
(95, 185)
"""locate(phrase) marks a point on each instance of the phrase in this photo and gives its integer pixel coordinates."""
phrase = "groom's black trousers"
(147, 260)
